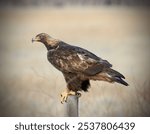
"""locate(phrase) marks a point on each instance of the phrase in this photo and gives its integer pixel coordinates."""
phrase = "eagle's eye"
(39, 37)
(42, 36)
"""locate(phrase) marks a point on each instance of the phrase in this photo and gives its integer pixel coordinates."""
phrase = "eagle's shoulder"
(82, 54)
(70, 58)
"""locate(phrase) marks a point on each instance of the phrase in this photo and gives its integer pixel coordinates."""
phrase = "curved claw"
(64, 97)
(78, 94)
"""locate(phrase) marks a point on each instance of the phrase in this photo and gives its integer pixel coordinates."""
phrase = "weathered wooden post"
(72, 106)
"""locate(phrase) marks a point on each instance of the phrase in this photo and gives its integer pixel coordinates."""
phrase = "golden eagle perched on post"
(78, 65)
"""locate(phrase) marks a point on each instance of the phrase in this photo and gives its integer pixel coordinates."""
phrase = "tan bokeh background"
(30, 85)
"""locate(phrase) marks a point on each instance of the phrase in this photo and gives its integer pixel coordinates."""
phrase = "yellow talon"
(78, 94)
(64, 97)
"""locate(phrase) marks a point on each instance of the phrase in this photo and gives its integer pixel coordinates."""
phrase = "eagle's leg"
(66, 93)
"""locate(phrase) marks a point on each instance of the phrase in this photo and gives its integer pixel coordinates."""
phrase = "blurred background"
(115, 30)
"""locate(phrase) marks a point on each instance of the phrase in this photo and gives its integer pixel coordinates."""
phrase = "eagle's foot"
(64, 97)
(65, 94)
(78, 94)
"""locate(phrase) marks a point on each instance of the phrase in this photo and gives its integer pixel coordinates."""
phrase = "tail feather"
(121, 81)
(116, 76)
(114, 73)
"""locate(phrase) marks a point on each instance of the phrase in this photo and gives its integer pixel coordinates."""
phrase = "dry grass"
(30, 86)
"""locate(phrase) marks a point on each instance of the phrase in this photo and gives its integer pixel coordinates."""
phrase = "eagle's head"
(47, 40)
(42, 37)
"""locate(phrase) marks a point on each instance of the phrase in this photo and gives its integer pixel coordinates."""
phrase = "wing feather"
(74, 59)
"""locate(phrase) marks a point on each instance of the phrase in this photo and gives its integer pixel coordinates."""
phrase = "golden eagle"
(78, 65)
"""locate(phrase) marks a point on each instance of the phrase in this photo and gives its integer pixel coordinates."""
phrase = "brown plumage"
(78, 65)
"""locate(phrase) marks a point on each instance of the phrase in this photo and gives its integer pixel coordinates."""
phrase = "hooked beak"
(32, 40)
(35, 39)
